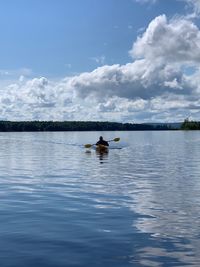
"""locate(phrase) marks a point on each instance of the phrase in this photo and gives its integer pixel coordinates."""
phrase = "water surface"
(62, 205)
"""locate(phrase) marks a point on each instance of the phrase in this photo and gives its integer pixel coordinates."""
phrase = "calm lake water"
(61, 205)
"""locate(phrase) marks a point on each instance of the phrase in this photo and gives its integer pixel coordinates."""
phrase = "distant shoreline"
(49, 126)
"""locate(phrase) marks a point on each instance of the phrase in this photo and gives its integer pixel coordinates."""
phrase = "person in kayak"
(102, 142)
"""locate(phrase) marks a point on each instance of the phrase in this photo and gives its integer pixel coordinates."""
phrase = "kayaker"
(102, 142)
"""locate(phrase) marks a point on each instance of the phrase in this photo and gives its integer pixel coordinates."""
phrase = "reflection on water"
(62, 205)
(102, 156)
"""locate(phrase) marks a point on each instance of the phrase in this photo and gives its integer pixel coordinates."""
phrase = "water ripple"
(135, 206)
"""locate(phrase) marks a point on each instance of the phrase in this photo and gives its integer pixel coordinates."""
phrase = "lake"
(62, 205)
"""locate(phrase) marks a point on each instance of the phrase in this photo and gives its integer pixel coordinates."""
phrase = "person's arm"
(106, 143)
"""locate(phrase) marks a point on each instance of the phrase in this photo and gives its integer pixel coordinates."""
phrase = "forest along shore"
(22, 126)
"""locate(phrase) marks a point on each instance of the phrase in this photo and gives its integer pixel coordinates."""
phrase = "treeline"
(20, 126)
(190, 125)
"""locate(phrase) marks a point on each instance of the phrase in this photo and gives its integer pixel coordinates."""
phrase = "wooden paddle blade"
(116, 139)
(88, 145)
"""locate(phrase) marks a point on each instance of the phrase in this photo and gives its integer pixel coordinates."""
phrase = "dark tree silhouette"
(20, 126)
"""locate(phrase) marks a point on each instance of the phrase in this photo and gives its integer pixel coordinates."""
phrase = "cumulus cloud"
(159, 56)
(140, 79)
(160, 83)
(169, 41)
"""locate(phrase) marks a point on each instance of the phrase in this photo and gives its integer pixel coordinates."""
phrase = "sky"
(100, 60)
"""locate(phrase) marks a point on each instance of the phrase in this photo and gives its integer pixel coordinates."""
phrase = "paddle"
(90, 145)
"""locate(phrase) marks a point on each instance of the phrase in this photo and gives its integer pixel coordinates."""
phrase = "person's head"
(101, 138)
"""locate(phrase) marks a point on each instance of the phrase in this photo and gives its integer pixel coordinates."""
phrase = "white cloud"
(4, 73)
(99, 60)
(195, 6)
(153, 87)
(146, 1)
(192, 6)
(170, 41)
(140, 79)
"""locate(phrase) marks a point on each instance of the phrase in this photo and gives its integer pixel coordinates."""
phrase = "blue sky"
(91, 60)
(57, 37)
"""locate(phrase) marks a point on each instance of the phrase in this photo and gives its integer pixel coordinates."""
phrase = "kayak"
(102, 149)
